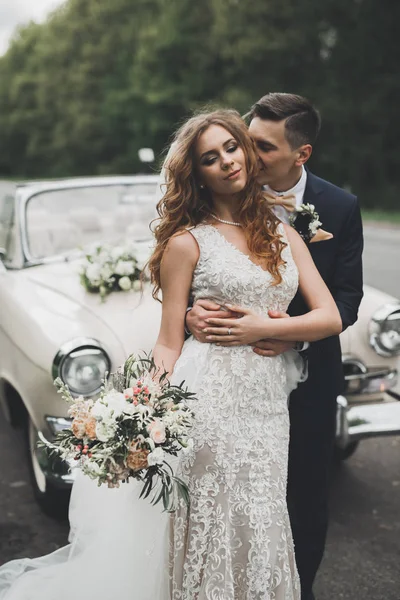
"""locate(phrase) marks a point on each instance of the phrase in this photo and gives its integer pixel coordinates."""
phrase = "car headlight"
(384, 330)
(82, 365)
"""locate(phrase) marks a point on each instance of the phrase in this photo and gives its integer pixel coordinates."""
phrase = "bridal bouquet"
(130, 430)
(110, 268)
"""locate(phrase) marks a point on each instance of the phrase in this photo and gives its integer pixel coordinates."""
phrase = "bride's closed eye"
(232, 148)
(211, 159)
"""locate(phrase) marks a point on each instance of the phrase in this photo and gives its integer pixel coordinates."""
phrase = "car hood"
(128, 319)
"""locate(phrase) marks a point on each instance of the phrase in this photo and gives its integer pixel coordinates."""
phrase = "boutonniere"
(305, 220)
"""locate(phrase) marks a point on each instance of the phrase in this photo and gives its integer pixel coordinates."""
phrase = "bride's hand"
(247, 329)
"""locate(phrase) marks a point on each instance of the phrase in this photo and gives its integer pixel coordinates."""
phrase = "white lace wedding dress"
(234, 542)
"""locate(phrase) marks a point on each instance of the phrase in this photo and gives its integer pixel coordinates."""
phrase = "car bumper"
(368, 409)
(59, 473)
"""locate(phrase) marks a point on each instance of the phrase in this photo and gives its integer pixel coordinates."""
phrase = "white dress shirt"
(282, 214)
(298, 191)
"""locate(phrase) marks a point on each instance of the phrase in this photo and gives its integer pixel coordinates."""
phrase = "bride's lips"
(234, 174)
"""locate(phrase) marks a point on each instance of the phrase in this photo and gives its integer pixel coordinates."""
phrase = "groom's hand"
(273, 347)
(202, 310)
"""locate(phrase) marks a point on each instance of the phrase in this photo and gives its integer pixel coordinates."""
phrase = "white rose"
(93, 273)
(92, 469)
(137, 285)
(124, 267)
(100, 410)
(105, 430)
(103, 260)
(106, 271)
(116, 402)
(125, 283)
(117, 252)
(130, 409)
(156, 457)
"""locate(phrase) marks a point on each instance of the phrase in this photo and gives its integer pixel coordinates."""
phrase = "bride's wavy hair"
(185, 204)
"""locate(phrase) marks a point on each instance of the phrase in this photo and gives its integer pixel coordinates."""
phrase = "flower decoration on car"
(108, 268)
(305, 220)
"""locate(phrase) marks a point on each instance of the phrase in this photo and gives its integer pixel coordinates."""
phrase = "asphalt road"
(362, 560)
(363, 550)
(382, 258)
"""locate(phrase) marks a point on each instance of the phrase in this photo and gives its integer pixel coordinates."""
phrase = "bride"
(216, 239)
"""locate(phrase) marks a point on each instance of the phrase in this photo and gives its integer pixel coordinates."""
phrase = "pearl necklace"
(226, 222)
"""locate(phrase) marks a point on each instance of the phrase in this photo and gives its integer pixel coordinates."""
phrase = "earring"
(201, 186)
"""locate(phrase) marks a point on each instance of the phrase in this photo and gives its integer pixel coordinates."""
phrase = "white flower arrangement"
(305, 220)
(129, 431)
(108, 268)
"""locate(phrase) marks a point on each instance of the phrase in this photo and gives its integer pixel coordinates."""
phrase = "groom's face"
(278, 161)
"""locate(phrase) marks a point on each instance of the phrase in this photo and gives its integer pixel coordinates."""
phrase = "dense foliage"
(81, 93)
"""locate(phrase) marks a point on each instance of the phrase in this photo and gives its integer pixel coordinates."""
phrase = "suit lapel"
(316, 194)
(313, 194)
(313, 191)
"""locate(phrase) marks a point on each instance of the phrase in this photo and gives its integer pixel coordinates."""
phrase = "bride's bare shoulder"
(183, 244)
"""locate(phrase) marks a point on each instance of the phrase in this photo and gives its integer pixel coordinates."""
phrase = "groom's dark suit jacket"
(313, 404)
(339, 262)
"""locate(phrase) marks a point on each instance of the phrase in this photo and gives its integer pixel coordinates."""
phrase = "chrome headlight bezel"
(87, 346)
(376, 330)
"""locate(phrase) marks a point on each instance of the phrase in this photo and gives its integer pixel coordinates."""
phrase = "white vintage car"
(50, 326)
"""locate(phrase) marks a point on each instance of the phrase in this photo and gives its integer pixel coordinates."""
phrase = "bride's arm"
(177, 266)
(322, 321)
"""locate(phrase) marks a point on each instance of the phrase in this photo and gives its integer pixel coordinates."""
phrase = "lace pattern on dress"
(235, 542)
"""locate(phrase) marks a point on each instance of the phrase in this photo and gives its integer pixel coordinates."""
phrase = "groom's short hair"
(302, 119)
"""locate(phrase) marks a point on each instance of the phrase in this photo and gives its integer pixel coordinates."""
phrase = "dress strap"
(202, 233)
(282, 232)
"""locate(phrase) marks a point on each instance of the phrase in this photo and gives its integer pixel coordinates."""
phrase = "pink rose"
(128, 393)
(157, 431)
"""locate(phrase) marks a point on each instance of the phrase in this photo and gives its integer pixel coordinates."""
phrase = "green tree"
(81, 93)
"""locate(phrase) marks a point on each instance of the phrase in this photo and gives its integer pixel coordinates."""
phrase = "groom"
(284, 128)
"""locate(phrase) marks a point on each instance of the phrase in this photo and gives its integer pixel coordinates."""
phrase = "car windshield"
(61, 221)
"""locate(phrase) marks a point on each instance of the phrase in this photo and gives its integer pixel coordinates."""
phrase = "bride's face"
(220, 162)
